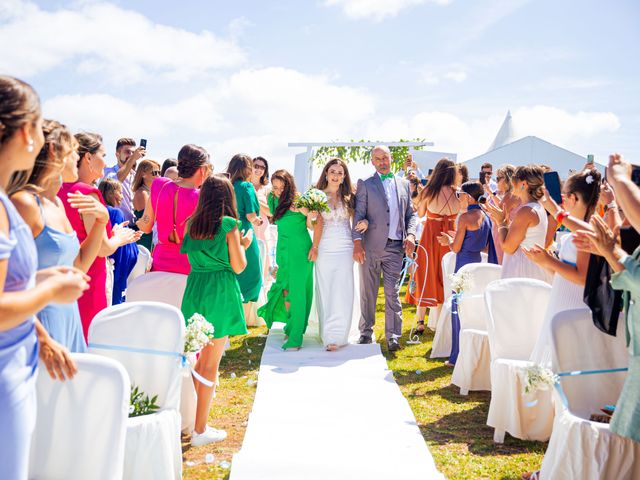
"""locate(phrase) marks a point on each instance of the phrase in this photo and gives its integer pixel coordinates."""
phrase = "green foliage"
(363, 154)
(140, 403)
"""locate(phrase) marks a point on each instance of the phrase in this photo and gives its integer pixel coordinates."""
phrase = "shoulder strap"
(41, 208)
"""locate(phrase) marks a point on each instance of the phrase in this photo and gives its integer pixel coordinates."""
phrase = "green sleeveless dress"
(212, 288)
(250, 279)
(295, 275)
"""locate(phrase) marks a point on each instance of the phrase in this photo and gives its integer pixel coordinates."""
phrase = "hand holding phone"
(143, 143)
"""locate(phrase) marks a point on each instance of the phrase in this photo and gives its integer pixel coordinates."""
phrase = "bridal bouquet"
(314, 200)
(460, 281)
(536, 378)
(197, 334)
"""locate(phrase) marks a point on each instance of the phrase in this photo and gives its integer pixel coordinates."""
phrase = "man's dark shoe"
(364, 340)
(393, 345)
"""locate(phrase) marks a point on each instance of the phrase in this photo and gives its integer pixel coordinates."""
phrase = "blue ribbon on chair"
(575, 373)
(150, 351)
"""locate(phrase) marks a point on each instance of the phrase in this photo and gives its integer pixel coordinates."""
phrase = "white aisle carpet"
(330, 416)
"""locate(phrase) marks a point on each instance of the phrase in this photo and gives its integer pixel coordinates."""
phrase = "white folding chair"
(473, 367)
(143, 264)
(580, 448)
(166, 287)
(81, 423)
(148, 339)
(516, 309)
(440, 318)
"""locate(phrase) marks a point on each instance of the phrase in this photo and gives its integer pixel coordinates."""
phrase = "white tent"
(529, 150)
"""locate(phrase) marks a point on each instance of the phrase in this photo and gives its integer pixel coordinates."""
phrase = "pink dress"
(95, 298)
(166, 254)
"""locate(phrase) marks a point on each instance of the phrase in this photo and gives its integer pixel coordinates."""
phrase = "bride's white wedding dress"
(337, 300)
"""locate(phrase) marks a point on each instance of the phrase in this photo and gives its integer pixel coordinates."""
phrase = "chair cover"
(473, 367)
(81, 423)
(516, 309)
(580, 448)
(153, 447)
(166, 287)
(143, 264)
(434, 321)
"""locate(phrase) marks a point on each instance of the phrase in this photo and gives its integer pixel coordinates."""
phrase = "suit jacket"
(371, 204)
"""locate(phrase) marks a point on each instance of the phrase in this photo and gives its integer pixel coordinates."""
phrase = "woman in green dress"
(240, 171)
(216, 252)
(289, 298)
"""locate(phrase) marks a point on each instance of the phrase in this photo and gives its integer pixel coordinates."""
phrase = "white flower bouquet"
(314, 200)
(538, 378)
(460, 281)
(197, 334)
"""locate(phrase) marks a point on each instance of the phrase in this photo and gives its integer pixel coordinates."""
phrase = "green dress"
(146, 240)
(250, 279)
(626, 419)
(295, 275)
(212, 288)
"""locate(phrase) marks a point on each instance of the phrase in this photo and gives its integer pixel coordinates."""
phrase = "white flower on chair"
(537, 378)
(460, 281)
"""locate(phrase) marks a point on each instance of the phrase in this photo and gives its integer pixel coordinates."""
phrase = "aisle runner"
(330, 416)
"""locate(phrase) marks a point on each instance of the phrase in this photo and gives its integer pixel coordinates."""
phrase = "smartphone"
(424, 181)
(590, 159)
(143, 142)
(552, 182)
(482, 177)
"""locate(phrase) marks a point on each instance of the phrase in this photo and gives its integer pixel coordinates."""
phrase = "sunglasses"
(155, 173)
(257, 166)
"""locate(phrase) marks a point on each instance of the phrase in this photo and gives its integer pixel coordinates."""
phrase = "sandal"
(531, 475)
(420, 328)
(332, 347)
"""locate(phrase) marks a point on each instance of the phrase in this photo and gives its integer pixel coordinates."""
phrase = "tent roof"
(529, 150)
(505, 135)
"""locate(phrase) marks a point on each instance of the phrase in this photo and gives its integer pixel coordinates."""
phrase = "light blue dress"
(18, 352)
(57, 248)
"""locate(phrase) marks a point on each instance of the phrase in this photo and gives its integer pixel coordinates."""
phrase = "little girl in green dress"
(216, 252)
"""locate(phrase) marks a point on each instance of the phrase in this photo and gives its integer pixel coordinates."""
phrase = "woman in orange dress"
(439, 202)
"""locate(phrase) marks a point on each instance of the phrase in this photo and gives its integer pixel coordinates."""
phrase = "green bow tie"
(385, 176)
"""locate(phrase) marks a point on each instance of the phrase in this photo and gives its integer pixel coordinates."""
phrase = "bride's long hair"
(345, 191)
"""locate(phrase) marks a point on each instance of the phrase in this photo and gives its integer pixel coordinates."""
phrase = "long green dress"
(295, 275)
(250, 279)
(212, 287)
(626, 419)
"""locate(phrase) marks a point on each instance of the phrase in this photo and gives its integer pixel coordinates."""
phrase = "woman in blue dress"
(21, 297)
(472, 237)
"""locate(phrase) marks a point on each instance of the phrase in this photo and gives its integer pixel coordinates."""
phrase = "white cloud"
(123, 45)
(377, 10)
(256, 111)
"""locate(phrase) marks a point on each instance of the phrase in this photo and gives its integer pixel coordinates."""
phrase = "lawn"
(453, 426)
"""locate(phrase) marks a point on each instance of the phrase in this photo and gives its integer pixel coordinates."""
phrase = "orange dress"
(426, 285)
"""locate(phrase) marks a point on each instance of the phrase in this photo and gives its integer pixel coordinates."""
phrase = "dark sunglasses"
(257, 166)
(155, 173)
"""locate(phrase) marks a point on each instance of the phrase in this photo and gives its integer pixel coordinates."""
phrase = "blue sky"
(254, 75)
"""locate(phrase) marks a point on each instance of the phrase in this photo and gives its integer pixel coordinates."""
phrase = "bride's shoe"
(332, 347)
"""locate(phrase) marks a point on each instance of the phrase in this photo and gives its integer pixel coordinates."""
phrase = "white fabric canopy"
(90, 412)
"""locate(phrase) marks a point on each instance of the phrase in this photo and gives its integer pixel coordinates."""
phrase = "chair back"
(163, 287)
(143, 264)
(578, 345)
(448, 266)
(148, 339)
(480, 275)
(81, 423)
(515, 309)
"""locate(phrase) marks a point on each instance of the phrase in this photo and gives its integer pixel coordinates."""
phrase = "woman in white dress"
(580, 198)
(527, 226)
(332, 251)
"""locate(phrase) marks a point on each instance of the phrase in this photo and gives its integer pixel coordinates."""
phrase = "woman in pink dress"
(171, 204)
(90, 168)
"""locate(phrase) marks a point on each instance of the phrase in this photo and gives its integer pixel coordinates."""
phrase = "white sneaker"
(209, 435)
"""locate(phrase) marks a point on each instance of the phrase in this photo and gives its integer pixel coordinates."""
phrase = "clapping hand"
(125, 235)
(497, 214)
(617, 169)
(538, 255)
(362, 226)
(606, 194)
(599, 241)
(445, 239)
(87, 205)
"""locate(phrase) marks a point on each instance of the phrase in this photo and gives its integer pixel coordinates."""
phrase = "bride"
(332, 251)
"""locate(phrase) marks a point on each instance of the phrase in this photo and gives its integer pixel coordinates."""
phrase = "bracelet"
(505, 227)
(611, 205)
(562, 214)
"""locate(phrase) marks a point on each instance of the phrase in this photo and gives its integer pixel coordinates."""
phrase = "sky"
(251, 76)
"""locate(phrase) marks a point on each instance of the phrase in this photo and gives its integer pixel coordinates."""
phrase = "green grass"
(454, 427)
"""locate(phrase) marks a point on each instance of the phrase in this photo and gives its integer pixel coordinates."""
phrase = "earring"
(521, 187)
(30, 146)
